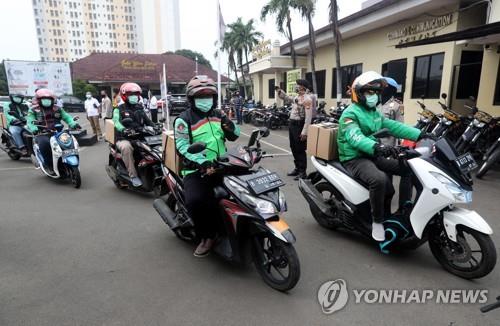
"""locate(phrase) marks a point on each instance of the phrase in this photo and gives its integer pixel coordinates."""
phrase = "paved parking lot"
(101, 256)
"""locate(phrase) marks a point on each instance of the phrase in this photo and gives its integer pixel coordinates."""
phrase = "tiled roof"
(141, 68)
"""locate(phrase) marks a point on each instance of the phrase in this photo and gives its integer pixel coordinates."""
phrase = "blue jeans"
(17, 134)
(239, 115)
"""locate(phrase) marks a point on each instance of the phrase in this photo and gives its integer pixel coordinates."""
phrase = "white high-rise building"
(71, 29)
(159, 25)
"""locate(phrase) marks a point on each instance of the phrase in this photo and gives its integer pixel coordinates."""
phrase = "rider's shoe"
(378, 231)
(203, 248)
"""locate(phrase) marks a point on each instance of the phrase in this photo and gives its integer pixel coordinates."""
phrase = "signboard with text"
(291, 78)
(24, 77)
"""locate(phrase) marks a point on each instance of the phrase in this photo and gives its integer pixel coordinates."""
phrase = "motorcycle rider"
(202, 123)
(364, 157)
(15, 114)
(130, 108)
(46, 113)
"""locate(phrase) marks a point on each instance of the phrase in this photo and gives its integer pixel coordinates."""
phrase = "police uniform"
(392, 110)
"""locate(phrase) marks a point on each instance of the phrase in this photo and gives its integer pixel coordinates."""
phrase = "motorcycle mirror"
(264, 132)
(59, 127)
(197, 147)
(253, 138)
(422, 97)
(382, 133)
(444, 96)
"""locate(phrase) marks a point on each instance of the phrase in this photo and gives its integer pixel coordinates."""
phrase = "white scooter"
(458, 238)
(65, 155)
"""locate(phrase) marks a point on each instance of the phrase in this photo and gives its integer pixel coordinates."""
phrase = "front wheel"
(472, 256)
(488, 163)
(276, 262)
(14, 156)
(76, 179)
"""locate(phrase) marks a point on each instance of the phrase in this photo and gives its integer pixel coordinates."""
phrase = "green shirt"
(356, 127)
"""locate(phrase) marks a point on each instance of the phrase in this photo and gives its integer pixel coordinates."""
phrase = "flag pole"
(166, 97)
(219, 91)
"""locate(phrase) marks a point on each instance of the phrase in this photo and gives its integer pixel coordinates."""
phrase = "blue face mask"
(204, 104)
(371, 100)
(46, 102)
(133, 99)
(17, 99)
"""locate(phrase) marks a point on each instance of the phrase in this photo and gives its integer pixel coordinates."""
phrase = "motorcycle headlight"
(461, 195)
(65, 139)
(265, 208)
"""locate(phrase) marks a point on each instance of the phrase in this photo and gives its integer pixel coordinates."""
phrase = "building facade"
(159, 26)
(370, 37)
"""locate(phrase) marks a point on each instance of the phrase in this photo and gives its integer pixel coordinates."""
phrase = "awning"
(484, 34)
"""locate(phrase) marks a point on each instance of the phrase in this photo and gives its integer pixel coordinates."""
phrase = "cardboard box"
(171, 158)
(109, 130)
(3, 120)
(322, 141)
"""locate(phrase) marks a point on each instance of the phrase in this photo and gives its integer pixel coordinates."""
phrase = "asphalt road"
(102, 256)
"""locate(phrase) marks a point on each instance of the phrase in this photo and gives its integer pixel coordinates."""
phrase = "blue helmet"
(391, 82)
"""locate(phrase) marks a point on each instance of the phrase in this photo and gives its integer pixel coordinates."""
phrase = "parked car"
(178, 103)
(72, 104)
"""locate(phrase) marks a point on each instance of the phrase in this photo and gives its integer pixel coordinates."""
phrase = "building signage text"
(420, 30)
(132, 64)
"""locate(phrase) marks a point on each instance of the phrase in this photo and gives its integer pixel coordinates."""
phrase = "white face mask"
(89, 97)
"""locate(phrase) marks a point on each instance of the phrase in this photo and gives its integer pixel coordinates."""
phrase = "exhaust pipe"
(166, 214)
(313, 197)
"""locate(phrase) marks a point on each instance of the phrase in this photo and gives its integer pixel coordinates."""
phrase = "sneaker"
(378, 232)
(136, 182)
(203, 248)
(293, 173)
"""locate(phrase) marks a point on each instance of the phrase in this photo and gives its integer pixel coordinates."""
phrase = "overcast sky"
(198, 24)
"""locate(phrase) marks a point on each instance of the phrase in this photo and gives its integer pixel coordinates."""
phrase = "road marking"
(269, 144)
(13, 169)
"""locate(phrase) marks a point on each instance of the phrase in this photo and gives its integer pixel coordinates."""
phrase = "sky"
(198, 24)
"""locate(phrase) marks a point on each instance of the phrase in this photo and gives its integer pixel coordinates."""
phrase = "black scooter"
(148, 161)
(251, 205)
(8, 144)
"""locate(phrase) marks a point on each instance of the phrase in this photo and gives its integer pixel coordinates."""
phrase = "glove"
(427, 135)
(207, 165)
(128, 132)
(77, 127)
(227, 124)
(16, 122)
(381, 150)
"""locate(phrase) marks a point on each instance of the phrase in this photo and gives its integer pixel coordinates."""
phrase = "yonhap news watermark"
(334, 296)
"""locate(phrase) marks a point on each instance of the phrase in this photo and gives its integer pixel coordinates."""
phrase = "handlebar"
(422, 105)
(492, 306)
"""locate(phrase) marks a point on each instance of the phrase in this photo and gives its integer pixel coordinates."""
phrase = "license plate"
(153, 140)
(466, 163)
(264, 183)
(69, 152)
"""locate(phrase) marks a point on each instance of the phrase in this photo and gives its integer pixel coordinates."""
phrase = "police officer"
(300, 119)
(391, 107)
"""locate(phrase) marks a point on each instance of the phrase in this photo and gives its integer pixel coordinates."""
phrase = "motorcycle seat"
(341, 168)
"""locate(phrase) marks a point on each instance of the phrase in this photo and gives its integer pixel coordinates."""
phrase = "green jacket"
(13, 111)
(356, 127)
(191, 127)
(48, 117)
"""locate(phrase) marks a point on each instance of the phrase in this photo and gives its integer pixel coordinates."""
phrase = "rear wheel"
(490, 161)
(472, 256)
(276, 262)
(76, 179)
(328, 193)
(14, 156)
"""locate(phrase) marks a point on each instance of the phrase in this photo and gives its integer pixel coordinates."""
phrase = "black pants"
(201, 204)
(154, 115)
(44, 146)
(298, 146)
(374, 173)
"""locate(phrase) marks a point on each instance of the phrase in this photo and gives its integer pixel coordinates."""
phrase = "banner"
(24, 77)
(291, 78)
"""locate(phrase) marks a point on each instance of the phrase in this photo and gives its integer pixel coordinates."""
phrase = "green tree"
(238, 44)
(251, 38)
(307, 9)
(227, 46)
(281, 9)
(80, 88)
(4, 89)
(336, 38)
(193, 55)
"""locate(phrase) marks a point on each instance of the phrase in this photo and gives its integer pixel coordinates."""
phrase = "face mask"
(17, 99)
(133, 99)
(204, 104)
(371, 100)
(46, 102)
(89, 97)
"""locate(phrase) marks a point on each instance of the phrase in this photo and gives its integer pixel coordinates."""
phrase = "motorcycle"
(338, 200)
(8, 144)
(477, 132)
(251, 205)
(491, 158)
(146, 142)
(65, 155)
(427, 120)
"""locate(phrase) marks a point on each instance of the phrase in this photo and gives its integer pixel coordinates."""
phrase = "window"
(496, 99)
(469, 74)
(348, 74)
(270, 87)
(320, 82)
(427, 76)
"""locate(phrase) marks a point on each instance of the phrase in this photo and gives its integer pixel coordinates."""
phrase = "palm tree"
(238, 43)
(306, 9)
(227, 47)
(281, 9)
(336, 39)
(251, 38)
